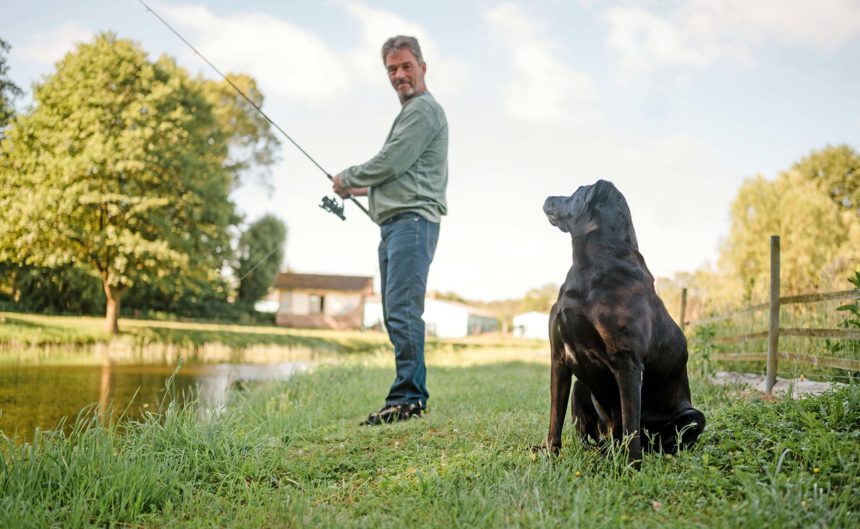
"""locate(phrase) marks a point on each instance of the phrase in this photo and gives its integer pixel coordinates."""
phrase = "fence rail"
(815, 360)
(774, 330)
(834, 334)
(787, 300)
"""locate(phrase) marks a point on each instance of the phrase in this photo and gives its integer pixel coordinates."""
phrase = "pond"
(41, 396)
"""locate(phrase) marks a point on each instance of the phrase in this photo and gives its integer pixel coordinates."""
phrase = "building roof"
(293, 281)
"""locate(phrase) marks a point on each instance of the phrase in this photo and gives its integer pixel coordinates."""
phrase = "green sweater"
(410, 173)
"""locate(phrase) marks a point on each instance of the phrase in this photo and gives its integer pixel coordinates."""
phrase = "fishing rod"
(329, 204)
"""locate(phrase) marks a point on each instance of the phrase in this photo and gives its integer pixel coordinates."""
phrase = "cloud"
(644, 41)
(290, 61)
(285, 59)
(825, 25)
(697, 33)
(48, 48)
(444, 75)
(543, 87)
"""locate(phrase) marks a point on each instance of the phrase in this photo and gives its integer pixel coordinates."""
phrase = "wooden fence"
(774, 330)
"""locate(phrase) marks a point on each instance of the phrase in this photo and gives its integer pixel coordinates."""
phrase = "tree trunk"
(114, 297)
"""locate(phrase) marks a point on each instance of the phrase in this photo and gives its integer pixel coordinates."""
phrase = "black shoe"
(393, 413)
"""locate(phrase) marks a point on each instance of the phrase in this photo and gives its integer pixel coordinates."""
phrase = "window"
(316, 304)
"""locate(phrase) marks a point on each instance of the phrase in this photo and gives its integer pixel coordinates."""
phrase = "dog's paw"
(545, 449)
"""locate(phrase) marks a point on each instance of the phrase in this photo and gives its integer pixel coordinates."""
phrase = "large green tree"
(260, 254)
(122, 169)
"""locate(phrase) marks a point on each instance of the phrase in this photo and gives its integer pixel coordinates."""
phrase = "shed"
(532, 325)
(443, 319)
(319, 301)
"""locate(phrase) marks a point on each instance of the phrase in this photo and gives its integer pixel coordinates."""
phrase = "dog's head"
(597, 207)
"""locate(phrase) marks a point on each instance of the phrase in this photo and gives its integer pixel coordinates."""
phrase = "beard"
(405, 90)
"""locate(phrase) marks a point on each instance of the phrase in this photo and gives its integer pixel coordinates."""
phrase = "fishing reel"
(331, 205)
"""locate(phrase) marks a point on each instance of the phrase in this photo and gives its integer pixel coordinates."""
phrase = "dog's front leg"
(559, 388)
(629, 379)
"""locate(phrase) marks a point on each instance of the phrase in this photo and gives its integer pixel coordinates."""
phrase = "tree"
(64, 289)
(811, 228)
(540, 299)
(260, 254)
(250, 138)
(8, 90)
(836, 170)
(122, 169)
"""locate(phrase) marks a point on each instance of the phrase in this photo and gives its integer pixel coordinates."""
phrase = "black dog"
(610, 330)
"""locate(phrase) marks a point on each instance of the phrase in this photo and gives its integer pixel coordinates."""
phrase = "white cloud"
(825, 24)
(645, 41)
(285, 59)
(47, 48)
(543, 87)
(696, 33)
(290, 61)
(444, 75)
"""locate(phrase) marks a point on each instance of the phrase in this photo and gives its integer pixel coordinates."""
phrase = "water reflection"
(33, 396)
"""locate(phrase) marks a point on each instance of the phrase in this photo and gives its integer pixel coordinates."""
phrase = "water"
(40, 396)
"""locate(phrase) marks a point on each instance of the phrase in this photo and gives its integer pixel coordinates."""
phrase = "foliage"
(836, 170)
(540, 299)
(809, 206)
(448, 296)
(59, 290)
(251, 140)
(124, 170)
(260, 254)
(813, 233)
(851, 321)
(183, 297)
(8, 89)
(702, 361)
(290, 454)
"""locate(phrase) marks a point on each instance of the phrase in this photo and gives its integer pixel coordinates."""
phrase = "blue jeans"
(405, 252)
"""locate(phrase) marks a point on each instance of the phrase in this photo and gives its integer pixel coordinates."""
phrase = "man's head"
(406, 67)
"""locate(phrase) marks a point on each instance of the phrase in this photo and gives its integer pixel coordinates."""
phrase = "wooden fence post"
(773, 327)
(683, 309)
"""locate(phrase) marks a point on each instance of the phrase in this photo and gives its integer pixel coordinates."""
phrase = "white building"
(321, 301)
(443, 319)
(532, 325)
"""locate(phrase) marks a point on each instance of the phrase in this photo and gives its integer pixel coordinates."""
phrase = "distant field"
(28, 331)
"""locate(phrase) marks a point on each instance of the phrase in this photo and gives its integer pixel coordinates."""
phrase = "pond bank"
(291, 454)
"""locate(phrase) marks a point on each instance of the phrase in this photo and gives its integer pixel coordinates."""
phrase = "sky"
(676, 102)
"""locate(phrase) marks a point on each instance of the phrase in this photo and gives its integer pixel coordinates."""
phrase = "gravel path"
(802, 386)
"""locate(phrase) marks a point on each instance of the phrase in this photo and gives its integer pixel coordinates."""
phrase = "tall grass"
(291, 455)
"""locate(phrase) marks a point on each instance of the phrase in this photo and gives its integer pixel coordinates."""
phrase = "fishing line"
(327, 204)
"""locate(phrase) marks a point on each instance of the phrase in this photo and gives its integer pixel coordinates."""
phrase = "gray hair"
(402, 42)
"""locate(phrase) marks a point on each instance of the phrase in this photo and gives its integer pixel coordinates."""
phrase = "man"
(406, 185)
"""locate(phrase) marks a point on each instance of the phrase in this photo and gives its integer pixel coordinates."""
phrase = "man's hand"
(344, 192)
(337, 186)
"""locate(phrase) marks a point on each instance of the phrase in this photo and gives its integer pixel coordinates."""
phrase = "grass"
(291, 454)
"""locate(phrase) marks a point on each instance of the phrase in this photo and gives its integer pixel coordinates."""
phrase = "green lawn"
(291, 454)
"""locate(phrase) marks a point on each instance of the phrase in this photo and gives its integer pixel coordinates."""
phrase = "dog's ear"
(599, 192)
